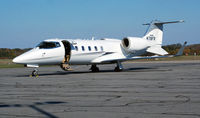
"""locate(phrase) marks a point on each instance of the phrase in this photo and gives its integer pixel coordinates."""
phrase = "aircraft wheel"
(35, 72)
(117, 69)
(94, 68)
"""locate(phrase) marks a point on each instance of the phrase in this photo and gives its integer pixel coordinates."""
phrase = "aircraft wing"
(109, 57)
(113, 56)
(117, 57)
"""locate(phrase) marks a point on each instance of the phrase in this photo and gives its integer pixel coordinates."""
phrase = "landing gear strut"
(119, 67)
(94, 68)
(35, 72)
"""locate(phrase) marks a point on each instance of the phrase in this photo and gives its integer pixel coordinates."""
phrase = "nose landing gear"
(34, 73)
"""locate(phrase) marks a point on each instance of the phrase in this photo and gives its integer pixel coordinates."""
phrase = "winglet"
(180, 52)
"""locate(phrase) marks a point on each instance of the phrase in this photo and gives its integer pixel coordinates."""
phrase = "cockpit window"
(47, 45)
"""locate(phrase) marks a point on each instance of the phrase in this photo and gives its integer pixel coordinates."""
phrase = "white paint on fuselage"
(39, 56)
(85, 57)
(52, 56)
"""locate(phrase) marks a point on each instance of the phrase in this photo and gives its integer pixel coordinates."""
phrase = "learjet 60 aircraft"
(65, 52)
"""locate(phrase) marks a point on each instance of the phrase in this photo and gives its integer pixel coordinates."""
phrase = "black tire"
(117, 69)
(95, 69)
(35, 73)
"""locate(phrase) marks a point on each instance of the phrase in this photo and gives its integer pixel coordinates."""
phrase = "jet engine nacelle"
(133, 44)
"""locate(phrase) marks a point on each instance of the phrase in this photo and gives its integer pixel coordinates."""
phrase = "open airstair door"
(65, 63)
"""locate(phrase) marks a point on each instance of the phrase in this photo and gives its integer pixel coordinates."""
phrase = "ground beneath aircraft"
(143, 90)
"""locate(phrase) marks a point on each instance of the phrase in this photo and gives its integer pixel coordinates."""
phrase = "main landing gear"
(94, 68)
(119, 67)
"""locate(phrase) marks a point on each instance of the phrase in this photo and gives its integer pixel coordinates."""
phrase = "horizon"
(25, 23)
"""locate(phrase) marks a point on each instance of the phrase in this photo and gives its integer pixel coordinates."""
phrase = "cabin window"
(57, 44)
(89, 48)
(48, 45)
(76, 48)
(83, 48)
(101, 48)
(95, 47)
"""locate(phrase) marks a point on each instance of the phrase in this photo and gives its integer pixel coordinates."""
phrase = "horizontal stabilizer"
(157, 50)
(158, 22)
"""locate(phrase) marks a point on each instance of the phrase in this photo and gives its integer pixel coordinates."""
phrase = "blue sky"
(25, 23)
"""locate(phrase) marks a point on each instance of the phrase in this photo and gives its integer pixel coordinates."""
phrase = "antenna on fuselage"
(92, 38)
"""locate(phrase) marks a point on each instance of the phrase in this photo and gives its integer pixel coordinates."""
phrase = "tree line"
(189, 50)
(6, 53)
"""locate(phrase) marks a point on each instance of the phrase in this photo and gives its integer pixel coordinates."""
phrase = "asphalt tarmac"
(142, 90)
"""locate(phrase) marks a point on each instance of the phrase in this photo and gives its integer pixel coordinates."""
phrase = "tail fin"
(155, 31)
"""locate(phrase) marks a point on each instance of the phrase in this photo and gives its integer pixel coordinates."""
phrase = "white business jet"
(65, 52)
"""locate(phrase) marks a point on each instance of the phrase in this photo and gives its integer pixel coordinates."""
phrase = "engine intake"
(126, 42)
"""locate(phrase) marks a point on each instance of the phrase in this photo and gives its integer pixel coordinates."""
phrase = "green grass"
(7, 63)
(178, 58)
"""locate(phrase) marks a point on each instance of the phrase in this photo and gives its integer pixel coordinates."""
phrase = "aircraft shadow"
(139, 69)
(34, 107)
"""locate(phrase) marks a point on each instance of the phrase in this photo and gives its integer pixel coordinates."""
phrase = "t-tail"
(155, 34)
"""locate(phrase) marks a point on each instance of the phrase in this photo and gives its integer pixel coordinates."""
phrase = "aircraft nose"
(25, 57)
(16, 60)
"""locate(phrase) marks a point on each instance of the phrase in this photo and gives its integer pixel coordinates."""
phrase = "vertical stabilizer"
(155, 31)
